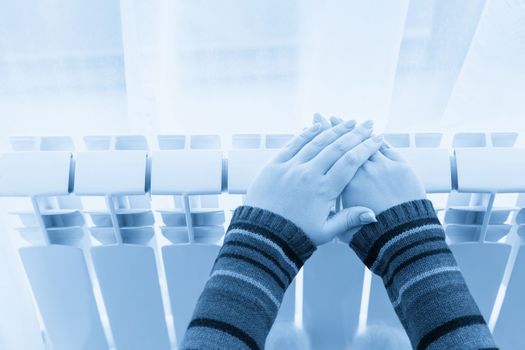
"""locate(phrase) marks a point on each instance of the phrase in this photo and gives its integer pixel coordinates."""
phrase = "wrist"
(288, 236)
(396, 200)
(394, 227)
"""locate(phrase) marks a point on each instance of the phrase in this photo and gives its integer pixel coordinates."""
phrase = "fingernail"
(334, 120)
(384, 147)
(368, 124)
(378, 138)
(317, 117)
(367, 217)
(349, 124)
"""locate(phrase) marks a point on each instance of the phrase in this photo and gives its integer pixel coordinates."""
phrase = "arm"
(407, 249)
(286, 215)
(261, 255)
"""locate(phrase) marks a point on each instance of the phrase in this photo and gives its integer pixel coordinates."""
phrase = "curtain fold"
(490, 90)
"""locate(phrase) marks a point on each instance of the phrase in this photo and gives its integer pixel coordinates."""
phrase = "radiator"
(120, 234)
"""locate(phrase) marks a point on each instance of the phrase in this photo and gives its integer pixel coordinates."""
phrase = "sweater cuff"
(371, 236)
(283, 228)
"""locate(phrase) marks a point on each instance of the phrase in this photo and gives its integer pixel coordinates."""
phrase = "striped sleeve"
(407, 249)
(261, 254)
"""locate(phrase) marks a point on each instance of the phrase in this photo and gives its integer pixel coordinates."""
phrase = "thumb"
(349, 219)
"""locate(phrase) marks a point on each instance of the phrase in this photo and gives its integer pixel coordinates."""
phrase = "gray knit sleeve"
(407, 249)
(261, 254)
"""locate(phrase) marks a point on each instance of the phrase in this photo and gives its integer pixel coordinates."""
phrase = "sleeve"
(407, 249)
(261, 254)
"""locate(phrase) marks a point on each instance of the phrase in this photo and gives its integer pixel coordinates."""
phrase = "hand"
(386, 180)
(305, 178)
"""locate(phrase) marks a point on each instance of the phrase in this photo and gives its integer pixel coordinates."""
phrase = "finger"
(367, 217)
(379, 157)
(322, 140)
(298, 142)
(385, 146)
(348, 219)
(394, 155)
(335, 120)
(318, 118)
(345, 168)
(331, 154)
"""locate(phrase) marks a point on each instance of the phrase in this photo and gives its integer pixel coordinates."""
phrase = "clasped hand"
(303, 181)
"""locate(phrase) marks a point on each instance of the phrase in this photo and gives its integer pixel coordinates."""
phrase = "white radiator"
(120, 237)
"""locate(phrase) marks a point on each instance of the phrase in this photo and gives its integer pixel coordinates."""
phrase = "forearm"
(261, 254)
(407, 248)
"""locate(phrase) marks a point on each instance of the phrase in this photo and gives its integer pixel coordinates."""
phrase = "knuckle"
(340, 129)
(294, 143)
(305, 174)
(370, 143)
(363, 132)
(318, 142)
(336, 132)
(297, 141)
(352, 158)
(339, 147)
(369, 149)
(370, 167)
(305, 133)
(351, 220)
(310, 133)
(303, 136)
(325, 188)
(325, 138)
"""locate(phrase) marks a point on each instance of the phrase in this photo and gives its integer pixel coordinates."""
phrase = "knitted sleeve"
(407, 249)
(261, 254)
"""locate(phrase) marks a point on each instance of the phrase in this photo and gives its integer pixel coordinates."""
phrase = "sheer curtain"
(267, 66)
(61, 73)
(490, 89)
(261, 66)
